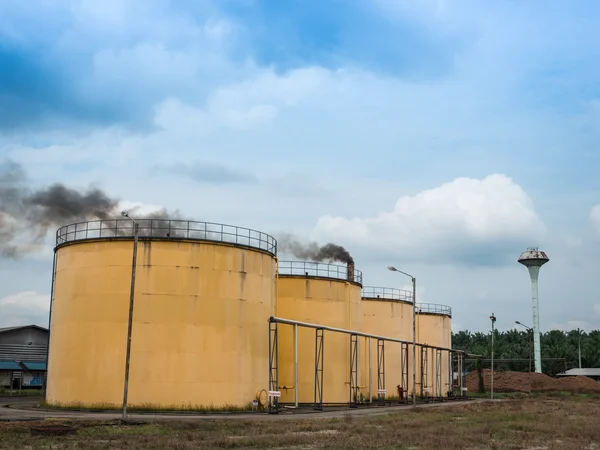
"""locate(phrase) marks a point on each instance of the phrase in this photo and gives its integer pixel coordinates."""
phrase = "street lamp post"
(529, 331)
(414, 324)
(578, 329)
(130, 318)
(493, 319)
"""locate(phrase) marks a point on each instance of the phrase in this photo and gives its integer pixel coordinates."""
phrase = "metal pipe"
(277, 364)
(450, 376)
(464, 374)
(270, 400)
(296, 365)
(414, 280)
(276, 281)
(497, 360)
(358, 333)
(130, 318)
(45, 387)
(357, 367)
(370, 373)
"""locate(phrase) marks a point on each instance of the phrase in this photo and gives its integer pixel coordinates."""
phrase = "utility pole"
(493, 319)
(130, 318)
(530, 334)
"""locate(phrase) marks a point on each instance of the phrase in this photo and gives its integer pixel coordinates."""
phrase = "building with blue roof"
(23, 354)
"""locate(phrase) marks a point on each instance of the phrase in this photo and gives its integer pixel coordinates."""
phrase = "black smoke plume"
(32, 213)
(313, 251)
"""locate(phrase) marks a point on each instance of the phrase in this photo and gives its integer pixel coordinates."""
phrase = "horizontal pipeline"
(358, 333)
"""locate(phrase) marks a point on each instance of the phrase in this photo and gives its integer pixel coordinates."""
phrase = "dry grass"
(534, 423)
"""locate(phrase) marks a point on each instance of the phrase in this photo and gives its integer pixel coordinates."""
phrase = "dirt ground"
(520, 381)
(568, 422)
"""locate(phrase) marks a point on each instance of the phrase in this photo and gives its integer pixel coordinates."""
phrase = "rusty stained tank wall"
(325, 296)
(434, 328)
(386, 312)
(199, 333)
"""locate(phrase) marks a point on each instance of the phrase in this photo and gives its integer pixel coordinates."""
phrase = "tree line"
(560, 350)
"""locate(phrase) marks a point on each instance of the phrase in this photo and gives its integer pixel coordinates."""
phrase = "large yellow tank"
(433, 328)
(203, 296)
(324, 294)
(387, 312)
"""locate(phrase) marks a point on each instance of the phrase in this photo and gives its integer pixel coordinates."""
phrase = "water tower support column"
(533, 273)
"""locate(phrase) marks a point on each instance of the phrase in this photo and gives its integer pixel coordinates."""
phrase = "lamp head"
(124, 214)
(392, 268)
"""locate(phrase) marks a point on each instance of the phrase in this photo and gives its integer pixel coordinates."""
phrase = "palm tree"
(514, 344)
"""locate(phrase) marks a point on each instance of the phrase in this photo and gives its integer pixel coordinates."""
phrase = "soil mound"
(519, 382)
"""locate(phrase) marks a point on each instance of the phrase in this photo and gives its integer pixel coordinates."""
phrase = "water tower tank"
(203, 296)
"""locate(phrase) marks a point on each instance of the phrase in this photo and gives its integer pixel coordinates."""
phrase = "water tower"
(533, 259)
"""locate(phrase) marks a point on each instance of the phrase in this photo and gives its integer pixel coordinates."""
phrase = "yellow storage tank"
(434, 328)
(203, 296)
(324, 294)
(387, 312)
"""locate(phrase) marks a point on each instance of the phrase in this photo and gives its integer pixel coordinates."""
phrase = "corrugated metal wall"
(21, 352)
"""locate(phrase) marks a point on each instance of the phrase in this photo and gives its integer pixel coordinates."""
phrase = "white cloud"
(243, 105)
(28, 299)
(597, 308)
(24, 308)
(433, 224)
(573, 241)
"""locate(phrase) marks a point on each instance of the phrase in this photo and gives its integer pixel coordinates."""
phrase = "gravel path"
(12, 409)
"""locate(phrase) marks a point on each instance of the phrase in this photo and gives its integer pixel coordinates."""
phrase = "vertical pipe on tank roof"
(350, 271)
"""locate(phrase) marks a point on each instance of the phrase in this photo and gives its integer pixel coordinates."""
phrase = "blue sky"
(443, 137)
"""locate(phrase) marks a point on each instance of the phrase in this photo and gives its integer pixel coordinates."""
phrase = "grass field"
(557, 422)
